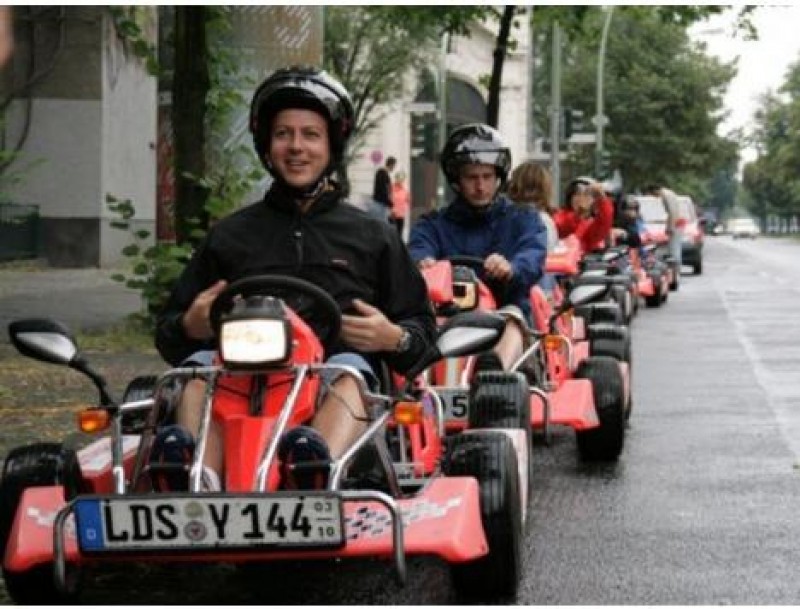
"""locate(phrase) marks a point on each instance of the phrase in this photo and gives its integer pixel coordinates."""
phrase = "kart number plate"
(455, 403)
(108, 524)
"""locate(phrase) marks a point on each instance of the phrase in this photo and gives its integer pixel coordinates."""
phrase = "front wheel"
(604, 443)
(503, 400)
(27, 467)
(489, 457)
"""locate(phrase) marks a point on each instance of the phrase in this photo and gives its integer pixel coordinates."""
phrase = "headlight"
(256, 333)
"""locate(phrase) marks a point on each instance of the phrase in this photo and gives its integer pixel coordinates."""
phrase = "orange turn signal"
(93, 420)
(552, 342)
(408, 413)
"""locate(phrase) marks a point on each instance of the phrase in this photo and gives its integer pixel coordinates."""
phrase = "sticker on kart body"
(97, 456)
(108, 524)
(373, 522)
(455, 402)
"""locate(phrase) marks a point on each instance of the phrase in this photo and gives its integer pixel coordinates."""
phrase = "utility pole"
(555, 115)
(441, 182)
(600, 120)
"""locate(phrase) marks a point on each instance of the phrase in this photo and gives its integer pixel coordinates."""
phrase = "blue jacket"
(514, 231)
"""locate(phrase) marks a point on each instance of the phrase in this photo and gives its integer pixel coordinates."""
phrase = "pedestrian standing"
(382, 189)
(401, 201)
(673, 229)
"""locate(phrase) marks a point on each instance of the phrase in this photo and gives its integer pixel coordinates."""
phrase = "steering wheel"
(498, 287)
(314, 305)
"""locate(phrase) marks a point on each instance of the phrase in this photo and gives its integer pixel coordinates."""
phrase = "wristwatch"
(404, 343)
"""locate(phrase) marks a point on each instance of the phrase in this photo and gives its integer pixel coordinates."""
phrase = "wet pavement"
(702, 508)
(83, 299)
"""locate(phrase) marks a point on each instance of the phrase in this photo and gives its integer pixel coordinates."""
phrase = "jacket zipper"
(298, 246)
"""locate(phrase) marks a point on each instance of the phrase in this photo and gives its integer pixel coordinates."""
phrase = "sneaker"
(173, 448)
(305, 459)
(488, 361)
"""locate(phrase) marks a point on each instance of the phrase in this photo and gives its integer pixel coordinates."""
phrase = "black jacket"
(333, 245)
(382, 187)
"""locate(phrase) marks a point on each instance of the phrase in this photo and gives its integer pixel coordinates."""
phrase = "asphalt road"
(84, 299)
(702, 507)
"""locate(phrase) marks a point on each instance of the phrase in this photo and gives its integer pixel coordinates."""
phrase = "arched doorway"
(465, 104)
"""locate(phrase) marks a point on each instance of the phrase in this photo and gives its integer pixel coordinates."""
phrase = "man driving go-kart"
(510, 240)
(301, 121)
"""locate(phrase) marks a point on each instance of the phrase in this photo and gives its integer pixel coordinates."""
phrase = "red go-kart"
(462, 499)
(555, 382)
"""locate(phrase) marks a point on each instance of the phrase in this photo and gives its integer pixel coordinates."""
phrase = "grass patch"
(132, 334)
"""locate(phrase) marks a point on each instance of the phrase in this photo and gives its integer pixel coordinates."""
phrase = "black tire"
(654, 301)
(490, 458)
(618, 348)
(603, 443)
(26, 467)
(503, 400)
(600, 312)
(698, 266)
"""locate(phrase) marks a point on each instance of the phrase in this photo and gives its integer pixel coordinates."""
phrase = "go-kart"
(562, 383)
(463, 499)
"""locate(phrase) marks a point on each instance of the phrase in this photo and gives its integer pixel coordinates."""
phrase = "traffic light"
(572, 122)
(423, 137)
(602, 163)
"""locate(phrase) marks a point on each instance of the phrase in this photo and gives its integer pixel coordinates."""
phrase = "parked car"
(744, 227)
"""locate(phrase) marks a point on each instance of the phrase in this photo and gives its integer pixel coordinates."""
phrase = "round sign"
(376, 156)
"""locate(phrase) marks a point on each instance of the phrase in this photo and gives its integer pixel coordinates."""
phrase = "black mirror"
(584, 294)
(44, 340)
(469, 333)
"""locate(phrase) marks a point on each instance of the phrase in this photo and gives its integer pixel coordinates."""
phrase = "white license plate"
(136, 523)
(455, 402)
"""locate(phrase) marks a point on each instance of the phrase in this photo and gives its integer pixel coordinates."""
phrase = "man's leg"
(511, 344)
(341, 418)
(188, 415)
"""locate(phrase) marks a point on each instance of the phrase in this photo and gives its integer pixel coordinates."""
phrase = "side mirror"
(470, 333)
(462, 334)
(45, 340)
(584, 294)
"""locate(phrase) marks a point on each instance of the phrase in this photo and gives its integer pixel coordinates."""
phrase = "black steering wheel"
(498, 287)
(313, 304)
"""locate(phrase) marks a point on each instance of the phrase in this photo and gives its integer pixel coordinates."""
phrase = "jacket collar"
(461, 212)
(277, 198)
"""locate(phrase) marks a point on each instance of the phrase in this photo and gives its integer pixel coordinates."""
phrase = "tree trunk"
(493, 106)
(190, 86)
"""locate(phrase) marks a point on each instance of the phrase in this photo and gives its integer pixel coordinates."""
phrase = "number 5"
(459, 408)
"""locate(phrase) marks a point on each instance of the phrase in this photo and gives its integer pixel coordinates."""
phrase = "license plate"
(140, 523)
(455, 402)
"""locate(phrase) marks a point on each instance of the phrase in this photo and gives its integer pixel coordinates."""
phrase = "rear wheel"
(27, 467)
(490, 458)
(698, 266)
(603, 443)
(503, 400)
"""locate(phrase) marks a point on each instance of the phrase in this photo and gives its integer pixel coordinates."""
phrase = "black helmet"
(579, 184)
(630, 202)
(473, 144)
(307, 88)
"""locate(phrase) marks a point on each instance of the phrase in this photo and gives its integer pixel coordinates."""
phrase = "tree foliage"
(663, 96)
(771, 181)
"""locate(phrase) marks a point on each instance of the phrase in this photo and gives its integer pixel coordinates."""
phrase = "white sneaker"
(209, 481)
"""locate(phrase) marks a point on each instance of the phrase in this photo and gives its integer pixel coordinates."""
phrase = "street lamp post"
(601, 120)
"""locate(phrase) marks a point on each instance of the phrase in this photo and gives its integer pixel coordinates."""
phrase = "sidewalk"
(83, 299)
